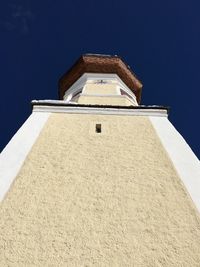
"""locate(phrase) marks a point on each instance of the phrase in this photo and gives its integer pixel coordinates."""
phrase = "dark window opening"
(76, 94)
(125, 93)
(98, 128)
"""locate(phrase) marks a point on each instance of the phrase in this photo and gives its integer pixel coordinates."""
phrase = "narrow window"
(98, 128)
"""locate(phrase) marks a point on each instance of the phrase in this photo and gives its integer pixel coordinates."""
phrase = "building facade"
(96, 179)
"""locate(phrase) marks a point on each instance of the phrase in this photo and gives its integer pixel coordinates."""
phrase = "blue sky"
(160, 40)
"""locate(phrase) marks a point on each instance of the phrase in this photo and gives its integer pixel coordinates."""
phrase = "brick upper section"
(100, 64)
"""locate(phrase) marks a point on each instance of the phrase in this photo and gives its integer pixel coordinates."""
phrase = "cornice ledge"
(52, 106)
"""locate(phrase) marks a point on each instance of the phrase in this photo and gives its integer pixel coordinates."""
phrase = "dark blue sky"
(160, 40)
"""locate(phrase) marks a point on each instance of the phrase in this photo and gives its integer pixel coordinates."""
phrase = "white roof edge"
(183, 158)
(98, 110)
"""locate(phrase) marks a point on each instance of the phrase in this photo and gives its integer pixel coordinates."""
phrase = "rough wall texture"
(105, 100)
(89, 199)
(104, 89)
(103, 94)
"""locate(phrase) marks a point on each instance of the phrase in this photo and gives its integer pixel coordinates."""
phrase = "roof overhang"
(91, 63)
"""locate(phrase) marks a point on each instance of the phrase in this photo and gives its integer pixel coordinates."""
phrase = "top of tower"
(98, 63)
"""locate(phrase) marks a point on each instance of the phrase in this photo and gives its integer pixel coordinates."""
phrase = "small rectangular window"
(98, 128)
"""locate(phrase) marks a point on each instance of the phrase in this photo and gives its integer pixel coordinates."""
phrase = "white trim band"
(186, 163)
(14, 154)
(99, 110)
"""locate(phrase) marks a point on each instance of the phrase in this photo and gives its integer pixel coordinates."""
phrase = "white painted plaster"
(99, 110)
(183, 158)
(50, 101)
(14, 154)
(119, 93)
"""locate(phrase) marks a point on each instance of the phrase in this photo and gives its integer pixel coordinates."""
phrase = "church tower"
(96, 179)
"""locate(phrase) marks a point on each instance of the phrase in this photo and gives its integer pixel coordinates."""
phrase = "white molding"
(118, 91)
(88, 77)
(14, 154)
(51, 101)
(185, 162)
(99, 110)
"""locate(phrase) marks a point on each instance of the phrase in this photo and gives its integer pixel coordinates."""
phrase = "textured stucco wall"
(88, 199)
(105, 100)
(106, 89)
